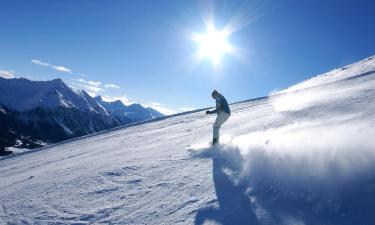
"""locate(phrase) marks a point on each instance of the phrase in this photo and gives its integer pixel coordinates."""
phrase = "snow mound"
(303, 173)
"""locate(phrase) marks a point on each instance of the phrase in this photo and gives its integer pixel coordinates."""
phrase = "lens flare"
(213, 45)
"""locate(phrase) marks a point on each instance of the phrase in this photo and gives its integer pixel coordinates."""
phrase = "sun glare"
(213, 45)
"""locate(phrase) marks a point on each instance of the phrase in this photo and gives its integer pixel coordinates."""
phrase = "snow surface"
(302, 156)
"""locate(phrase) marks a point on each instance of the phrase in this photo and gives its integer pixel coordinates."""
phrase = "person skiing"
(223, 113)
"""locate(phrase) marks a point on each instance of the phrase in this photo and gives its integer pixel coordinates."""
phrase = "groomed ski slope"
(305, 155)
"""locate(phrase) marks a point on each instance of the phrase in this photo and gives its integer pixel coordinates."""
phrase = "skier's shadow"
(234, 205)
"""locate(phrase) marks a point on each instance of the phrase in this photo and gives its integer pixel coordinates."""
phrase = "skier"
(223, 113)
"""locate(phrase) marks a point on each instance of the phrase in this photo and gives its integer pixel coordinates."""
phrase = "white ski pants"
(220, 119)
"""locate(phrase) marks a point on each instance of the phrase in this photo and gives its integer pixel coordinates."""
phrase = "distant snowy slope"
(300, 157)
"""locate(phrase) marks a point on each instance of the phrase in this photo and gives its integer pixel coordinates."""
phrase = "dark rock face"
(34, 128)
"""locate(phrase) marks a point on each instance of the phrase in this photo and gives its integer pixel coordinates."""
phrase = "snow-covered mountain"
(35, 112)
(305, 155)
(135, 112)
(22, 94)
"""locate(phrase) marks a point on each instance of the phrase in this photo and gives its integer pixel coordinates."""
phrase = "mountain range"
(35, 113)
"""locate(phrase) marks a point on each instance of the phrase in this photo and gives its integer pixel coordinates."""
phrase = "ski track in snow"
(282, 162)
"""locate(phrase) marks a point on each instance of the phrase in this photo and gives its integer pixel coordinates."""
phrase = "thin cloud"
(124, 99)
(88, 82)
(161, 108)
(91, 87)
(6, 74)
(62, 69)
(111, 86)
(93, 91)
(40, 63)
(94, 83)
(58, 68)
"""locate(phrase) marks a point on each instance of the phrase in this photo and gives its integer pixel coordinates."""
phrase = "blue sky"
(142, 51)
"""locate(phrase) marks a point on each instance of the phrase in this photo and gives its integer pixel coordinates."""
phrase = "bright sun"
(213, 45)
